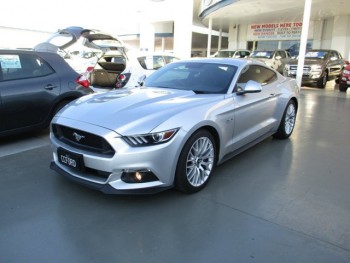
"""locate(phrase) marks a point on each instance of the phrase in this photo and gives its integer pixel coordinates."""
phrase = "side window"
(151, 62)
(334, 55)
(169, 59)
(158, 62)
(245, 54)
(281, 54)
(257, 73)
(142, 61)
(22, 66)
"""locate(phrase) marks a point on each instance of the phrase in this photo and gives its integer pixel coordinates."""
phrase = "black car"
(33, 87)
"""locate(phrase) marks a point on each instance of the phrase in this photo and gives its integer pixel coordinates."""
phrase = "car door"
(28, 89)
(284, 58)
(335, 63)
(255, 112)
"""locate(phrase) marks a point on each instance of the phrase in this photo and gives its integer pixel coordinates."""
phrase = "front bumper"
(105, 188)
(105, 173)
(309, 75)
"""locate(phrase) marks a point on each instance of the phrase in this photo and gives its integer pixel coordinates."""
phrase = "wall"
(21, 38)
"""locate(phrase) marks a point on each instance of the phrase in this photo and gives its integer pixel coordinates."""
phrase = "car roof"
(239, 62)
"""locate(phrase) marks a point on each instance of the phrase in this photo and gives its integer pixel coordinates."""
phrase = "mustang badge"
(78, 137)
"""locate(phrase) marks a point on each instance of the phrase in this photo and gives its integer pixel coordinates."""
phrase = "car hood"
(263, 59)
(134, 111)
(307, 61)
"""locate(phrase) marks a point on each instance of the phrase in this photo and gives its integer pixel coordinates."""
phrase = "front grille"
(294, 67)
(82, 140)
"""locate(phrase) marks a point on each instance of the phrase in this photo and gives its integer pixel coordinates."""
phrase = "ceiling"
(265, 11)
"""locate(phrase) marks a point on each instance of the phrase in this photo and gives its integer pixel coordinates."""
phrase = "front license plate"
(72, 160)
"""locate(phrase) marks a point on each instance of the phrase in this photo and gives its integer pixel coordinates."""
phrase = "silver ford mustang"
(187, 117)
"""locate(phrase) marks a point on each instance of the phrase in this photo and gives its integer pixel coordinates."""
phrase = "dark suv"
(320, 66)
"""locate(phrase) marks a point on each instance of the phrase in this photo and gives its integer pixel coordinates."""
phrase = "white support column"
(233, 36)
(220, 38)
(303, 40)
(183, 28)
(147, 37)
(209, 36)
(163, 44)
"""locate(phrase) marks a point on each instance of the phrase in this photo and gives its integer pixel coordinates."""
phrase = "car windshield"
(316, 54)
(196, 76)
(224, 54)
(262, 54)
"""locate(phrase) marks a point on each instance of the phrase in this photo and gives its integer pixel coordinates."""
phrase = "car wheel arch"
(60, 103)
(181, 180)
(212, 130)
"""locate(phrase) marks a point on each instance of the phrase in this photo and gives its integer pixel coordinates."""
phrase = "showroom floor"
(281, 201)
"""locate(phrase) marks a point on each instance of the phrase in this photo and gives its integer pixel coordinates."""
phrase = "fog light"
(141, 176)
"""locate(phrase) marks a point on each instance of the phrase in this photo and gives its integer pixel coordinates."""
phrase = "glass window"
(281, 54)
(169, 59)
(257, 73)
(262, 54)
(334, 54)
(21, 66)
(195, 76)
(151, 62)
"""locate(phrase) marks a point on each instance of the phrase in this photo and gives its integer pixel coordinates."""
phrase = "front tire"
(321, 83)
(287, 124)
(196, 162)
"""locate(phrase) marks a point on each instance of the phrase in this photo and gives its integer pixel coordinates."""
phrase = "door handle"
(50, 87)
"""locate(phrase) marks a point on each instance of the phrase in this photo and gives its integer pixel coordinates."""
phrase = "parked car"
(139, 67)
(81, 47)
(344, 78)
(117, 70)
(188, 117)
(275, 59)
(227, 53)
(320, 66)
(34, 86)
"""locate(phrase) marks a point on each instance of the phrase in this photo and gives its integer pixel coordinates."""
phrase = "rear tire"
(59, 106)
(343, 87)
(196, 162)
(287, 124)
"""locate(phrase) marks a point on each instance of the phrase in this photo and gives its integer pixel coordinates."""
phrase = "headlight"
(286, 66)
(151, 138)
(316, 67)
(346, 72)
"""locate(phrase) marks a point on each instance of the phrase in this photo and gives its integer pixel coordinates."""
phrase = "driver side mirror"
(250, 87)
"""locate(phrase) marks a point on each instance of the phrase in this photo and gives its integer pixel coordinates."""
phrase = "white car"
(275, 59)
(140, 66)
(116, 69)
(188, 117)
(228, 53)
